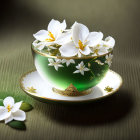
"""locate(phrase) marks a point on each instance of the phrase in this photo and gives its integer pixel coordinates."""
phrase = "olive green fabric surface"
(114, 118)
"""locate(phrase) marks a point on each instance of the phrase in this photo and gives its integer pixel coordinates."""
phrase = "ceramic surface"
(34, 86)
(83, 73)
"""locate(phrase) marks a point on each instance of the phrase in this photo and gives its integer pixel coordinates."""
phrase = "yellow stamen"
(96, 51)
(81, 46)
(9, 108)
(52, 38)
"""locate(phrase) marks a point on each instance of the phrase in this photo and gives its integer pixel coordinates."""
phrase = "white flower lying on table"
(81, 68)
(11, 110)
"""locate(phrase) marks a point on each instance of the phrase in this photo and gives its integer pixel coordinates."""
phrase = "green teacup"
(75, 74)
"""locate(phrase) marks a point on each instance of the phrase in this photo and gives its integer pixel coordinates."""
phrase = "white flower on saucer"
(81, 68)
(109, 42)
(11, 110)
(55, 62)
(68, 61)
(109, 59)
(82, 39)
(99, 62)
(53, 35)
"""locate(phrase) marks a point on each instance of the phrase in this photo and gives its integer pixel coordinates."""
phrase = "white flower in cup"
(109, 42)
(55, 62)
(98, 50)
(68, 61)
(53, 35)
(11, 110)
(81, 68)
(109, 59)
(82, 39)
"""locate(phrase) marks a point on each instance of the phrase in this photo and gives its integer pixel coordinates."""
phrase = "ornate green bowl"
(64, 73)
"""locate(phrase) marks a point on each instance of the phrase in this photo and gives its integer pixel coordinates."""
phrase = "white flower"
(81, 68)
(53, 35)
(99, 62)
(99, 50)
(39, 45)
(11, 110)
(109, 59)
(55, 62)
(82, 39)
(109, 42)
(68, 61)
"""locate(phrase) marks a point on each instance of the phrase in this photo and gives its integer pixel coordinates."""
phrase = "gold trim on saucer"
(61, 57)
(71, 90)
(44, 99)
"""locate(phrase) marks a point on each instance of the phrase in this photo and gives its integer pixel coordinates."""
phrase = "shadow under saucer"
(109, 110)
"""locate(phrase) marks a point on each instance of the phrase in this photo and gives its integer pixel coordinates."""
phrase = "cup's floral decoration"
(13, 113)
(77, 41)
(81, 68)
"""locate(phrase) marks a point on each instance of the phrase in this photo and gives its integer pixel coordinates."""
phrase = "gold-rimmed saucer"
(36, 87)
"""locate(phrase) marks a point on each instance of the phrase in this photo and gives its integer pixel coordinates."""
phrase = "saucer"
(35, 87)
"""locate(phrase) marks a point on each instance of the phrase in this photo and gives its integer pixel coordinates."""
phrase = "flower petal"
(59, 65)
(16, 106)
(72, 61)
(102, 50)
(82, 72)
(50, 60)
(94, 38)
(74, 24)
(56, 67)
(35, 43)
(63, 38)
(4, 114)
(77, 71)
(86, 69)
(41, 35)
(8, 101)
(86, 50)
(9, 119)
(82, 63)
(79, 32)
(19, 115)
(41, 47)
(109, 41)
(64, 60)
(68, 63)
(54, 27)
(68, 49)
(57, 60)
(63, 25)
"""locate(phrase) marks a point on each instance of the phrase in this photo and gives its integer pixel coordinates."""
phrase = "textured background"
(114, 118)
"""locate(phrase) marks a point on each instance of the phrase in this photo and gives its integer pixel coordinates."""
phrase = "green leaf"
(17, 125)
(1, 102)
(26, 107)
